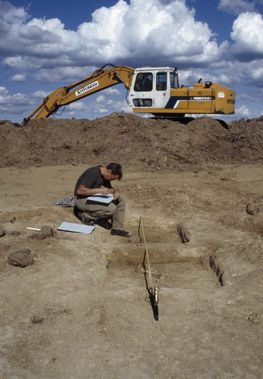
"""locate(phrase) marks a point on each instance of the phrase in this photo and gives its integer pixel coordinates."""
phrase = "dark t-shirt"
(91, 178)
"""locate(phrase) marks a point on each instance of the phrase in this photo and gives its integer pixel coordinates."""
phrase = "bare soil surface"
(81, 310)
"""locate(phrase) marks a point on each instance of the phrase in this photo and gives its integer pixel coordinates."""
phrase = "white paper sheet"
(101, 198)
(76, 228)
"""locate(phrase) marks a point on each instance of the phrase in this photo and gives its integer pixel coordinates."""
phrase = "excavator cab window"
(144, 82)
(161, 81)
(174, 79)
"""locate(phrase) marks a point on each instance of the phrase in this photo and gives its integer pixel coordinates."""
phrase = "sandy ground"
(81, 310)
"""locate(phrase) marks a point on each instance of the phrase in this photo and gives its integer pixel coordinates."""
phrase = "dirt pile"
(149, 143)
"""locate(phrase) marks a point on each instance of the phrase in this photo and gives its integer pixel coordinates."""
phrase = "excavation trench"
(169, 267)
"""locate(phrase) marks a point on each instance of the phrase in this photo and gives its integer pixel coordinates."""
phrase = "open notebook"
(101, 198)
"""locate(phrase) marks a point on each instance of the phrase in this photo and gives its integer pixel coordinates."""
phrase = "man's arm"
(86, 191)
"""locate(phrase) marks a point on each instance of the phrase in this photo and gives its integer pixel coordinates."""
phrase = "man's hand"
(116, 195)
(106, 191)
(110, 191)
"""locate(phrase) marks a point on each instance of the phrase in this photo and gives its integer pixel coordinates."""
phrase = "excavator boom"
(107, 76)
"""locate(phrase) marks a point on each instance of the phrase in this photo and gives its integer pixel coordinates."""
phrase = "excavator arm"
(107, 76)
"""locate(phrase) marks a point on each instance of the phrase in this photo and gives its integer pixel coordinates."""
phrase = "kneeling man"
(98, 180)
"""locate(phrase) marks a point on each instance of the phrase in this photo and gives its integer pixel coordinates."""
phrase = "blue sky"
(48, 44)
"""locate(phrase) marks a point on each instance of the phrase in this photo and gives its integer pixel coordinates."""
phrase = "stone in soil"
(21, 258)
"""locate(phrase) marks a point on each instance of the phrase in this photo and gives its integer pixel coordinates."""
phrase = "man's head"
(113, 171)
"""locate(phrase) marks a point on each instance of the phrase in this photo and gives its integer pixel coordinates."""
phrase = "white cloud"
(135, 33)
(243, 112)
(236, 6)
(112, 91)
(40, 94)
(247, 34)
(149, 24)
(78, 106)
(3, 92)
(65, 74)
(18, 78)
(18, 62)
(100, 99)
(254, 75)
(29, 62)
(11, 14)
(257, 74)
(103, 110)
(238, 73)
(18, 102)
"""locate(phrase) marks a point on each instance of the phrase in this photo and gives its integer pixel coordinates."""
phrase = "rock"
(36, 319)
(13, 220)
(252, 209)
(183, 233)
(2, 231)
(45, 231)
(21, 258)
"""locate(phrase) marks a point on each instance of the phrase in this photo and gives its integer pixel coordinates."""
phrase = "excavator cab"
(151, 87)
(156, 90)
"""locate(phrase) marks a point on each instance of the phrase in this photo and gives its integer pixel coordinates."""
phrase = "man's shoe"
(121, 233)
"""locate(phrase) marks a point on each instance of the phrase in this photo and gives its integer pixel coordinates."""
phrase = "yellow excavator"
(153, 90)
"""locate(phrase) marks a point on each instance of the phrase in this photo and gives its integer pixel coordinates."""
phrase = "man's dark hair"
(115, 169)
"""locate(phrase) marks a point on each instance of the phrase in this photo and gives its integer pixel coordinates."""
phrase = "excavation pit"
(169, 269)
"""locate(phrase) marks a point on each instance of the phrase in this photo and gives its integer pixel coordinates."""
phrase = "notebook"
(101, 198)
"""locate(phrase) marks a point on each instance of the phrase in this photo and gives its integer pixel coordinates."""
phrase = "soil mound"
(150, 143)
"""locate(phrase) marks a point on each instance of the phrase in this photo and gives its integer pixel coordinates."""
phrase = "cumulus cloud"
(11, 14)
(67, 75)
(40, 94)
(134, 32)
(18, 78)
(18, 102)
(100, 99)
(243, 112)
(77, 106)
(257, 74)
(247, 34)
(3, 92)
(236, 6)
(112, 91)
